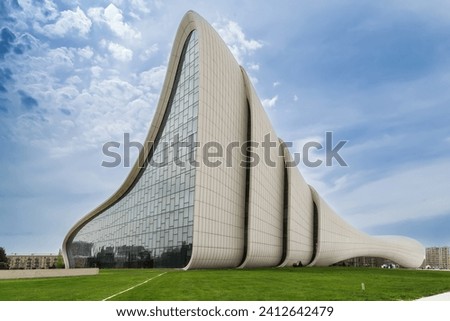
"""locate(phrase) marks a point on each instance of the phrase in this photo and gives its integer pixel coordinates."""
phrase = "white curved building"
(198, 198)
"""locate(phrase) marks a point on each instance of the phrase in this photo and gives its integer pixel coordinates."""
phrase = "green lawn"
(299, 284)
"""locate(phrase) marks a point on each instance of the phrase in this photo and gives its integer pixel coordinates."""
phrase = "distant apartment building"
(32, 261)
(438, 257)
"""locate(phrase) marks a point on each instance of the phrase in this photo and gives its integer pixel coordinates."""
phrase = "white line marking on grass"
(129, 289)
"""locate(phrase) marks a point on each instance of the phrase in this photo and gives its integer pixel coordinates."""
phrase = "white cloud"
(113, 18)
(154, 77)
(74, 80)
(118, 3)
(270, 102)
(299, 143)
(67, 92)
(385, 142)
(119, 52)
(85, 52)
(411, 193)
(96, 14)
(54, 60)
(254, 80)
(68, 22)
(236, 40)
(42, 13)
(295, 98)
(253, 66)
(96, 71)
(140, 5)
(149, 52)
(276, 84)
(310, 154)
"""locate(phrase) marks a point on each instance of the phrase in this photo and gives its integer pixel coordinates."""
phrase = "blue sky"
(77, 74)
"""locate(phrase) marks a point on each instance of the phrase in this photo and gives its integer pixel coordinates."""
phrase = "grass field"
(299, 284)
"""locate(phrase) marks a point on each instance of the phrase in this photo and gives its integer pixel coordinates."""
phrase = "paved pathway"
(437, 297)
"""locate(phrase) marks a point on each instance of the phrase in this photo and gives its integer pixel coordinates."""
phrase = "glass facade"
(152, 224)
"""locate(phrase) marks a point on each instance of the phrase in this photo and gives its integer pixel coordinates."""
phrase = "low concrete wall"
(51, 273)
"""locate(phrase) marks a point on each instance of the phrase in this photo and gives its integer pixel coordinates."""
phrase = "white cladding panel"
(220, 181)
(339, 241)
(265, 215)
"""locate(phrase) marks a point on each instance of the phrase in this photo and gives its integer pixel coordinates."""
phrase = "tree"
(3, 259)
(60, 261)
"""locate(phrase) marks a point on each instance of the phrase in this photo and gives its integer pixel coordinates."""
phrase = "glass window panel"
(145, 228)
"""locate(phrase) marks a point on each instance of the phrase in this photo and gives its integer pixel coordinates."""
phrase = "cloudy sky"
(77, 74)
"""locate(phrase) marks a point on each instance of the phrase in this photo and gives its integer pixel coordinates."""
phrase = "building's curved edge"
(219, 190)
(265, 227)
(299, 249)
(339, 241)
(184, 29)
(287, 207)
(249, 173)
